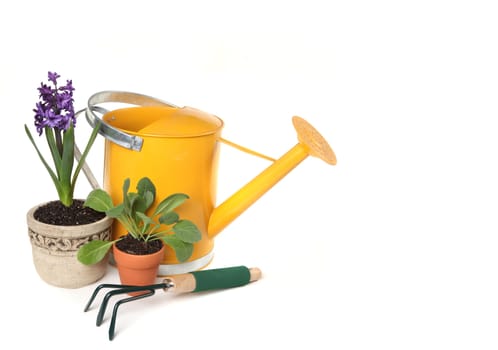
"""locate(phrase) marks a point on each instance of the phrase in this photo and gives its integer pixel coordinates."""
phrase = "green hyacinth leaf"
(82, 159)
(67, 159)
(93, 252)
(49, 135)
(53, 175)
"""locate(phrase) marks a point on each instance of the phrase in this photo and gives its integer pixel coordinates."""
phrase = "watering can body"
(178, 149)
(180, 153)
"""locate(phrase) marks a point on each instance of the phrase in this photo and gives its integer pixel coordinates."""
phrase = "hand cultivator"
(192, 282)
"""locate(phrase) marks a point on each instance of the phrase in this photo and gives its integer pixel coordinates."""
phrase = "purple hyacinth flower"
(53, 76)
(55, 109)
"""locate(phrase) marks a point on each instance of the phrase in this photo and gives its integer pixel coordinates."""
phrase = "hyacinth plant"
(55, 115)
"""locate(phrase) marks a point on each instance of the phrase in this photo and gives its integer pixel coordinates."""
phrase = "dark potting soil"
(134, 246)
(56, 213)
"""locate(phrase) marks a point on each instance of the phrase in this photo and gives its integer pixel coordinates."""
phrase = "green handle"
(228, 277)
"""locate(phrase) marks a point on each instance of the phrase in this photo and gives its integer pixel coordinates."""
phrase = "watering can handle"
(111, 133)
(119, 137)
(134, 142)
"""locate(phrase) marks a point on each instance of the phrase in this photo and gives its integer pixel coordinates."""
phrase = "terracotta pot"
(137, 270)
(55, 249)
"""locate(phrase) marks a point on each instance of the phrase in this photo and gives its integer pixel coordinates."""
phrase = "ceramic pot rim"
(69, 231)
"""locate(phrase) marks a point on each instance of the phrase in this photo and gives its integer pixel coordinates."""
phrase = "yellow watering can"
(178, 149)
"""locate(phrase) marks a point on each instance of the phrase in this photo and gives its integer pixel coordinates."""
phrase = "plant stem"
(66, 198)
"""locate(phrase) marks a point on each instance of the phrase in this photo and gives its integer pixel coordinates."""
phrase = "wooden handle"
(255, 274)
(228, 277)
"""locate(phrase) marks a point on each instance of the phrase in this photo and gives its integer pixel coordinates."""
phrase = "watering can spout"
(310, 143)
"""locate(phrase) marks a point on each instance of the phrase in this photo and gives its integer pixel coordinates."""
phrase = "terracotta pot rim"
(126, 261)
(163, 247)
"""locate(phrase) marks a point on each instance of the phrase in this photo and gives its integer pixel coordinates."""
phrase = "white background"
(395, 247)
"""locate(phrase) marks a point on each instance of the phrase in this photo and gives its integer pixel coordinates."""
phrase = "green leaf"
(132, 198)
(147, 222)
(145, 185)
(126, 187)
(49, 134)
(152, 232)
(99, 200)
(67, 157)
(50, 171)
(115, 212)
(81, 162)
(149, 199)
(170, 203)
(65, 195)
(169, 218)
(187, 231)
(140, 204)
(183, 250)
(93, 251)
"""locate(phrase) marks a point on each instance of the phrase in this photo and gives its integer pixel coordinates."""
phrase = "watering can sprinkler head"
(309, 137)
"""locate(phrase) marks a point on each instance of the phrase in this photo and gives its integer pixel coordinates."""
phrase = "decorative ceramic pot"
(55, 251)
(137, 270)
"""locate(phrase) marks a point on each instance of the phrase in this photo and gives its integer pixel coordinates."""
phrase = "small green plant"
(164, 223)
